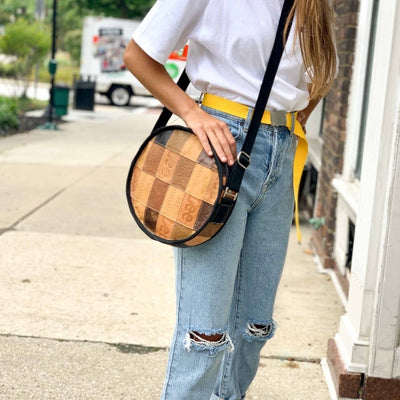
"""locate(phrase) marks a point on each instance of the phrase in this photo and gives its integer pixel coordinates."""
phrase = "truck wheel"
(119, 96)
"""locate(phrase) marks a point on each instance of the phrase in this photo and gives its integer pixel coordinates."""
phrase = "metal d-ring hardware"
(243, 159)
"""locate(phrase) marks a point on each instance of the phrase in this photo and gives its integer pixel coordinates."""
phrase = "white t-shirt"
(230, 42)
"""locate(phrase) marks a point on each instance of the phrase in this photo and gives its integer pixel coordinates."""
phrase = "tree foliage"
(28, 43)
(69, 22)
(119, 8)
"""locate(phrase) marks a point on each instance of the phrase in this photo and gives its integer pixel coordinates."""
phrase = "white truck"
(103, 43)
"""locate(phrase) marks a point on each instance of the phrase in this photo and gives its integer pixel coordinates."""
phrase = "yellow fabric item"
(300, 157)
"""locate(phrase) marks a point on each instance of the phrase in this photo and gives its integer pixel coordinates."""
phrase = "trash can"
(84, 91)
(61, 99)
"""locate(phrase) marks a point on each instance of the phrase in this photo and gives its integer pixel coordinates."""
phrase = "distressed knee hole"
(203, 338)
(260, 331)
(211, 342)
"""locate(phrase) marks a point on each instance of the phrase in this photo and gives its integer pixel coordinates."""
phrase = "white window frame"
(347, 185)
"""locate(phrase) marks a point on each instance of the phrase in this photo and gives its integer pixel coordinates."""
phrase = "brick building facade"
(333, 130)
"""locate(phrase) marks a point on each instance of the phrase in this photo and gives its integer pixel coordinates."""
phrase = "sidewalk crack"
(309, 360)
(126, 348)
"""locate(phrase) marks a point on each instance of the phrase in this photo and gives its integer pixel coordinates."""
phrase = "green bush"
(72, 44)
(8, 113)
(28, 43)
(7, 71)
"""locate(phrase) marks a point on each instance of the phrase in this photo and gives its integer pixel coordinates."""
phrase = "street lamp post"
(52, 70)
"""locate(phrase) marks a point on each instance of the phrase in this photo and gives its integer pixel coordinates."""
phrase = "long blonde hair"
(314, 29)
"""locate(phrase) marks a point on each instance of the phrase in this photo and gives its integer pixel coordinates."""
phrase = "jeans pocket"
(235, 124)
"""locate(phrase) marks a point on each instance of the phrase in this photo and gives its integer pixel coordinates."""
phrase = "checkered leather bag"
(175, 189)
(176, 193)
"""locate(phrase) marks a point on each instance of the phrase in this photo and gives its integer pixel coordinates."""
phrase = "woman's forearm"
(155, 78)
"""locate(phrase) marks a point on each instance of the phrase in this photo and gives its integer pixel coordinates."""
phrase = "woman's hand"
(303, 115)
(211, 130)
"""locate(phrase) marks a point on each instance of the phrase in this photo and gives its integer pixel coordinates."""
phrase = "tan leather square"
(172, 202)
(192, 148)
(140, 191)
(199, 181)
(165, 227)
(139, 209)
(189, 210)
(211, 193)
(143, 156)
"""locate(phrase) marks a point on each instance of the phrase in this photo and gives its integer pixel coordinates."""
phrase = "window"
(367, 93)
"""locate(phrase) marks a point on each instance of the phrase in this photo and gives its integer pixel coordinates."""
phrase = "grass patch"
(27, 104)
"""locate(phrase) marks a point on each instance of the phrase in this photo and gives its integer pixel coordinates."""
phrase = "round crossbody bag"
(175, 190)
(179, 195)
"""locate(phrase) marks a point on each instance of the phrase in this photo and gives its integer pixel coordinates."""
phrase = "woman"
(226, 287)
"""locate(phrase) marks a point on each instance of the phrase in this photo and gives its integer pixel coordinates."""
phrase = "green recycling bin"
(61, 99)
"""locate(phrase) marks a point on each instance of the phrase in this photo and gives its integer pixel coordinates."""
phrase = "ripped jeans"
(226, 287)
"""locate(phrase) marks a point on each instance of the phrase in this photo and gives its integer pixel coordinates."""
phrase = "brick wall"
(334, 127)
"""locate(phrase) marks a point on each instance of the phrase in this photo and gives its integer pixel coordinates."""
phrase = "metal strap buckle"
(243, 159)
(229, 194)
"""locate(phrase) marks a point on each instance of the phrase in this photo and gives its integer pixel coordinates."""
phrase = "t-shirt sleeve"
(168, 26)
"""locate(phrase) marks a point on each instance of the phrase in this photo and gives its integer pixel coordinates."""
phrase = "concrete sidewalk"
(87, 302)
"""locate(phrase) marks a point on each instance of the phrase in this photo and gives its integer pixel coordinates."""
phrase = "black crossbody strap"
(243, 160)
(165, 115)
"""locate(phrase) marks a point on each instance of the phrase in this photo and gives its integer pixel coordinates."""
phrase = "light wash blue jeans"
(227, 286)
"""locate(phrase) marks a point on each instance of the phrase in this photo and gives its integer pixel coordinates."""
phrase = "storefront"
(356, 204)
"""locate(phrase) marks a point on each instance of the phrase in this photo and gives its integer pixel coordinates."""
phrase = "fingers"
(213, 132)
(302, 118)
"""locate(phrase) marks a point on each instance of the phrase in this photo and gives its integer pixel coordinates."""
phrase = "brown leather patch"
(150, 219)
(211, 229)
(181, 232)
(157, 195)
(168, 163)
(204, 214)
(153, 159)
(183, 172)
(177, 140)
(206, 160)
